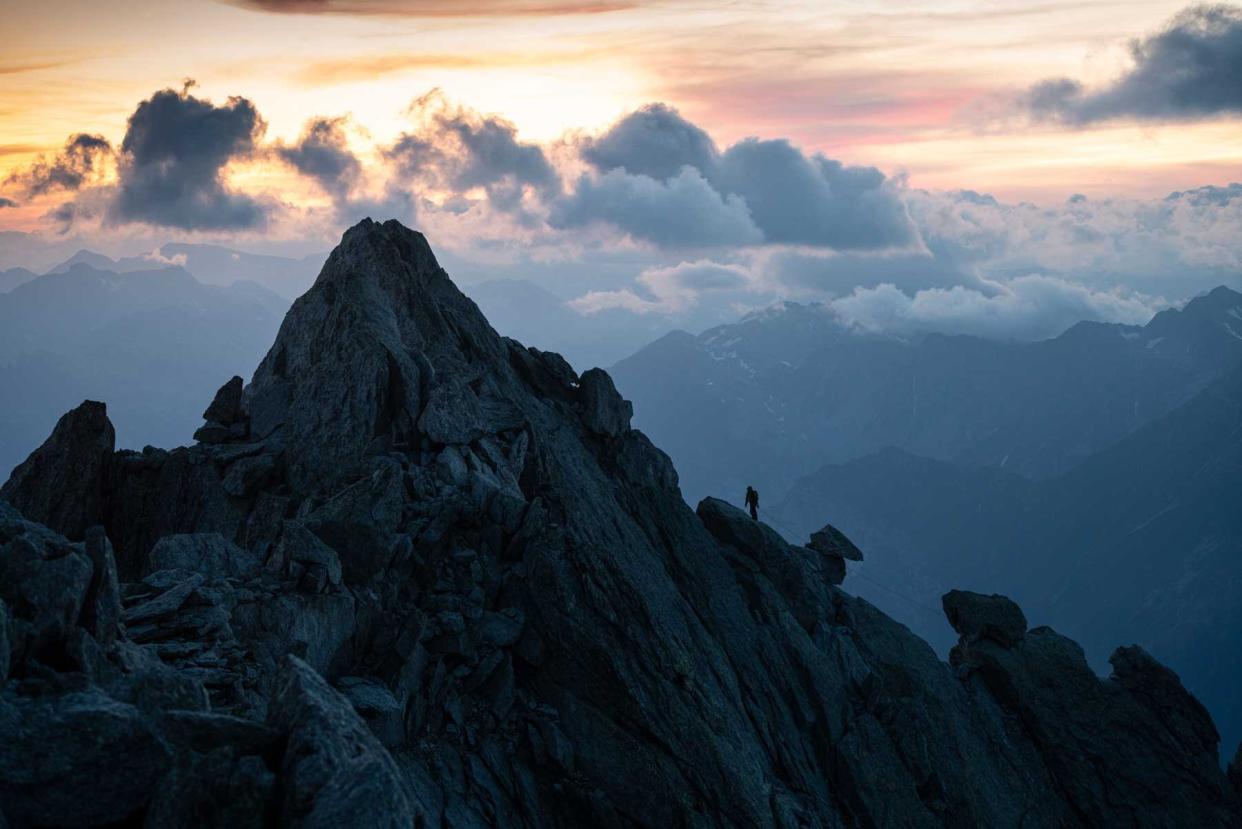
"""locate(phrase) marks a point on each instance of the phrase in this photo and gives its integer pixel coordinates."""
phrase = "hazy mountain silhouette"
(11, 278)
(212, 265)
(100, 262)
(1141, 541)
(783, 391)
(153, 342)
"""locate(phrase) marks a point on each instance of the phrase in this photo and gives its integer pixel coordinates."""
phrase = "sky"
(985, 166)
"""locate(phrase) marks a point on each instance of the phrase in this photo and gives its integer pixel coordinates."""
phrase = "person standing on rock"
(752, 502)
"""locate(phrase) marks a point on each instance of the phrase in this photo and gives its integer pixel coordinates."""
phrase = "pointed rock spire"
(62, 483)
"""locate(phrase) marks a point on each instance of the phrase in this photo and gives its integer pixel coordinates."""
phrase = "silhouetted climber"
(752, 501)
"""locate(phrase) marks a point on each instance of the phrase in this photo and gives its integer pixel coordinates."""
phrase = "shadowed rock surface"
(482, 601)
(63, 482)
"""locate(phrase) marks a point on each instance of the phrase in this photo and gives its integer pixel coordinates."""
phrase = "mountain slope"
(790, 390)
(505, 614)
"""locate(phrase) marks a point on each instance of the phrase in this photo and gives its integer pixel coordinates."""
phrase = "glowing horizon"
(906, 89)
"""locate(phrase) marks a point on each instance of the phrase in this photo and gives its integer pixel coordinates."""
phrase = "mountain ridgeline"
(417, 574)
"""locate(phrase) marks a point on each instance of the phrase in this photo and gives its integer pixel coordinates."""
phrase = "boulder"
(62, 483)
(44, 587)
(502, 629)
(208, 554)
(205, 731)
(215, 790)
(604, 411)
(101, 609)
(377, 707)
(246, 475)
(334, 771)
(77, 760)
(832, 542)
(975, 616)
(299, 545)
(167, 602)
(226, 406)
(452, 414)
(213, 434)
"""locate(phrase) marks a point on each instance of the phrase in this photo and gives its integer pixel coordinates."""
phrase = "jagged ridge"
(410, 522)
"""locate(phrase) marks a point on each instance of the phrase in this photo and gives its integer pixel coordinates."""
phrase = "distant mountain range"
(790, 389)
(152, 342)
(213, 265)
(11, 278)
(1140, 542)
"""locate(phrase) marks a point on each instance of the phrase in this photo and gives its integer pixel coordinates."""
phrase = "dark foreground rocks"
(421, 575)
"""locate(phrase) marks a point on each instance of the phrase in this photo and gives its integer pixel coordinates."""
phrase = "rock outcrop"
(975, 616)
(832, 542)
(63, 482)
(437, 580)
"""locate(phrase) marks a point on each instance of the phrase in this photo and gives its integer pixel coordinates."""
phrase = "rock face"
(62, 483)
(451, 587)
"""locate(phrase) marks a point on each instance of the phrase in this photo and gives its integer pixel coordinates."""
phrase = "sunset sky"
(1024, 101)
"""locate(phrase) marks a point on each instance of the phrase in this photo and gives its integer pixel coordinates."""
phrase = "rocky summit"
(416, 574)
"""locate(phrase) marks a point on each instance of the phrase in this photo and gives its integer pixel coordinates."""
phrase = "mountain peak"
(361, 354)
(85, 257)
(385, 241)
(1221, 296)
(1207, 327)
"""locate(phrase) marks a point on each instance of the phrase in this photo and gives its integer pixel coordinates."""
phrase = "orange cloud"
(437, 8)
(32, 66)
(370, 67)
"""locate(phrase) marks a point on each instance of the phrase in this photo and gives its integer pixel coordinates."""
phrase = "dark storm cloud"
(459, 150)
(490, 153)
(322, 153)
(1192, 69)
(814, 200)
(654, 141)
(7, 202)
(790, 197)
(684, 211)
(171, 164)
(75, 165)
